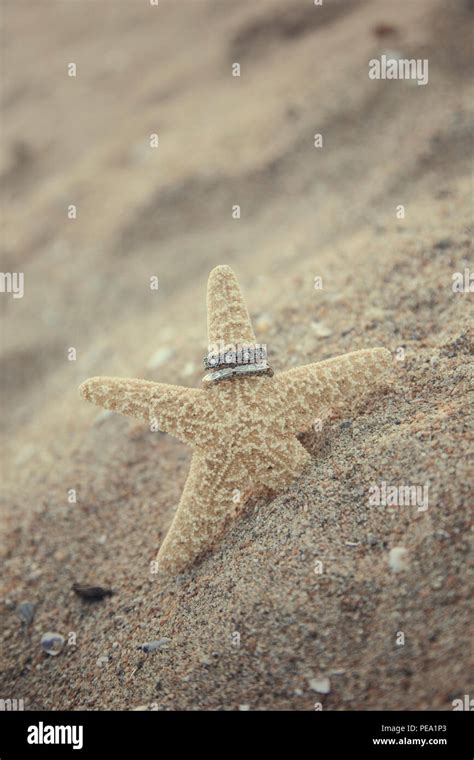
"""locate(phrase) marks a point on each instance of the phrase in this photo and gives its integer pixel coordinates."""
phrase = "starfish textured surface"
(242, 430)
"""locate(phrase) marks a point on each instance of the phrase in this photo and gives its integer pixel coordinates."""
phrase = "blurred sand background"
(305, 212)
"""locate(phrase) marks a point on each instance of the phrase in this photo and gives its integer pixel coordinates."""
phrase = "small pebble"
(91, 593)
(321, 685)
(33, 575)
(398, 559)
(52, 643)
(188, 369)
(26, 612)
(384, 30)
(442, 244)
(374, 314)
(321, 330)
(263, 323)
(160, 357)
(152, 646)
(25, 454)
(244, 708)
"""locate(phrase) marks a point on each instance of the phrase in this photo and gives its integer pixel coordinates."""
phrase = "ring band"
(226, 373)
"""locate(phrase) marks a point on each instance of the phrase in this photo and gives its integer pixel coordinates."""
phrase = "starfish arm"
(334, 382)
(228, 319)
(173, 409)
(127, 396)
(206, 504)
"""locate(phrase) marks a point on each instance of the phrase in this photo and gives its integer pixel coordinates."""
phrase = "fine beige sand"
(304, 602)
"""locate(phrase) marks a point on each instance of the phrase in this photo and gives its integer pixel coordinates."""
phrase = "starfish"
(241, 426)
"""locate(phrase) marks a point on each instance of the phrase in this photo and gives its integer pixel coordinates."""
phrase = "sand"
(305, 594)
